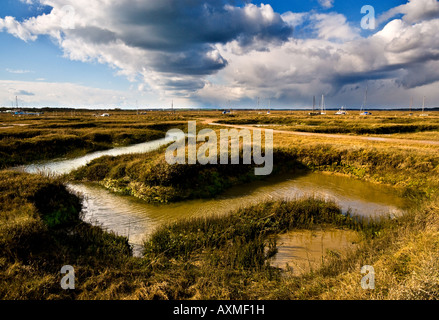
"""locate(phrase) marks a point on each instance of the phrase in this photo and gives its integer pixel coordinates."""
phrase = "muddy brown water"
(136, 220)
(63, 166)
(301, 251)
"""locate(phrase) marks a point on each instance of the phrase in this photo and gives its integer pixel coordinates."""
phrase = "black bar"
(253, 309)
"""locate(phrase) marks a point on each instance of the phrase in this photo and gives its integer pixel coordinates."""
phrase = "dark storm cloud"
(419, 71)
(191, 62)
(183, 85)
(420, 74)
(338, 81)
(175, 38)
(24, 93)
(183, 33)
(175, 25)
(94, 34)
(175, 46)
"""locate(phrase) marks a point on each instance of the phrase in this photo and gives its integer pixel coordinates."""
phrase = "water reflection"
(136, 219)
(305, 250)
(63, 166)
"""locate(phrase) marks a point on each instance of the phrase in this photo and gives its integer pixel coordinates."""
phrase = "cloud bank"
(169, 44)
(209, 52)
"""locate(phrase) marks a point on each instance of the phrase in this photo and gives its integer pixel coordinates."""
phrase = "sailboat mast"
(363, 107)
(365, 97)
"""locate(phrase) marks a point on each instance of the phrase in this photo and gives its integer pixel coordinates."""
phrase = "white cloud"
(401, 57)
(55, 94)
(334, 26)
(18, 71)
(294, 19)
(240, 53)
(413, 11)
(326, 3)
(16, 29)
(169, 44)
(27, 1)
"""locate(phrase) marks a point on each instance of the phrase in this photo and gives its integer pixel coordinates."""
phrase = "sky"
(219, 53)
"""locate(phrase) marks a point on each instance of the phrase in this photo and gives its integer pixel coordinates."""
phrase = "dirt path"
(326, 135)
(12, 125)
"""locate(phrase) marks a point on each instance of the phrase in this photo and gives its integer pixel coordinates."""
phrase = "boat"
(314, 113)
(341, 111)
(364, 113)
(322, 105)
(423, 107)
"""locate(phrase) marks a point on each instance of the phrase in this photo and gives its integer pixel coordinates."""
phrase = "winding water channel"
(136, 220)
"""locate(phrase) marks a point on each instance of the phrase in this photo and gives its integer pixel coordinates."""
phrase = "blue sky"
(43, 59)
(207, 53)
(348, 7)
